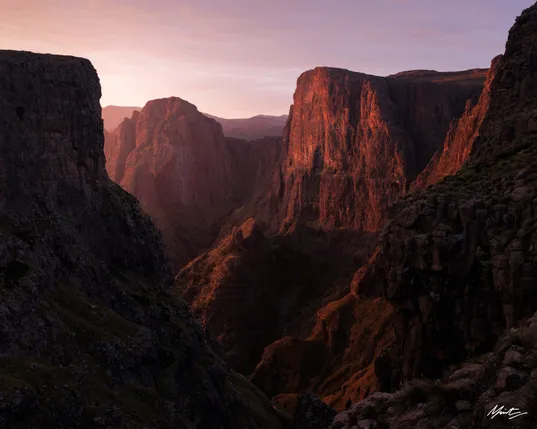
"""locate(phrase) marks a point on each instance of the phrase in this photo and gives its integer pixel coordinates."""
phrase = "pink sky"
(238, 58)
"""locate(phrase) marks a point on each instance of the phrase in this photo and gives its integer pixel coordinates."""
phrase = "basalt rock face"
(458, 260)
(460, 139)
(91, 335)
(187, 176)
(354, 142)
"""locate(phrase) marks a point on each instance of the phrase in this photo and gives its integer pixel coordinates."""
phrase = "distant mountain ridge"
(462, 77)
(114, 115)
(256, 127)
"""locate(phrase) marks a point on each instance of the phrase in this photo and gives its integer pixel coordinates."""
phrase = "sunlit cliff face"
(236, 60)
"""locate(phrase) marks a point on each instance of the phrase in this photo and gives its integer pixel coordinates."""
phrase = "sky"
(239, 58)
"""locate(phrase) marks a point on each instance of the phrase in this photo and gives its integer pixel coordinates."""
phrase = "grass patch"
(90, 321)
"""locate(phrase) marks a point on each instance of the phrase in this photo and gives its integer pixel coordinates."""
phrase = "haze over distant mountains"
(114, 115)
(253, 128)
(256, 127)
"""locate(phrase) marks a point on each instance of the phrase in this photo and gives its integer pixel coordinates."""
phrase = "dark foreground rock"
(90, 335)
(469, 395)
(312, 413)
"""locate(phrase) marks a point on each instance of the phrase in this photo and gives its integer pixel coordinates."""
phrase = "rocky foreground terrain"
(466, 397)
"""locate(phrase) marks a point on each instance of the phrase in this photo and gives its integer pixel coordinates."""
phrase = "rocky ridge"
(92, 335)
(461, 136)
(458, 260)
(254, 128)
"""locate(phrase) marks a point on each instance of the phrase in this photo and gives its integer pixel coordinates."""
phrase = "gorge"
(373, 267)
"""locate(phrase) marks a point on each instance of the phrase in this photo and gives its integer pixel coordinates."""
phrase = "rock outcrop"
(312, 413)
(180, 170)
(458, 260)
(354, 142)
(460, 139)
(493, 391)
(91, 333)
(187, 176)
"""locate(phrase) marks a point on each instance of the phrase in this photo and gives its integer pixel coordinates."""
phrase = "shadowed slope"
(90, 334)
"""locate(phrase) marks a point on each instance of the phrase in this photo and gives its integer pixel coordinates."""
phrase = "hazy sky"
(237, 58)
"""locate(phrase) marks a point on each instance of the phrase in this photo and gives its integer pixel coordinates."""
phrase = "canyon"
(266, 251)
(270, 211)
(373, 267)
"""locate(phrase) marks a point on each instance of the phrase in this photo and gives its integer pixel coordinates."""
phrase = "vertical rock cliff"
(460, 139)
(176, 162)
(187, 176)
(354, 142)
(458, 260)
(118, 145)
(90, 334)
